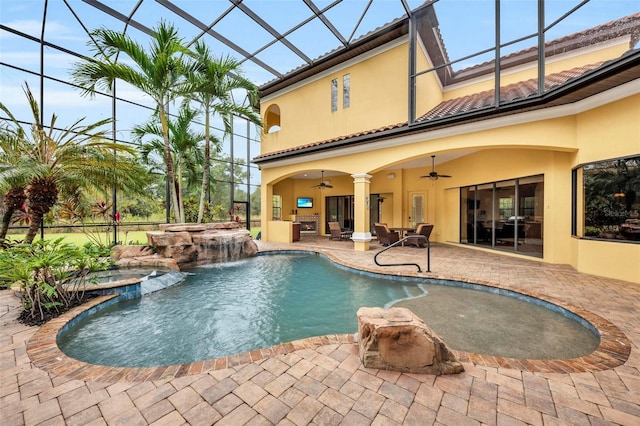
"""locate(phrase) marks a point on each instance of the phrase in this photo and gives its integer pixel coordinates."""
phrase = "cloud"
(13, 96)
(54, 30)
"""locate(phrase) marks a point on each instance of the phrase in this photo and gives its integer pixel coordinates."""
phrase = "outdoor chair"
(338, 233)
(385, 235)
(422, 229)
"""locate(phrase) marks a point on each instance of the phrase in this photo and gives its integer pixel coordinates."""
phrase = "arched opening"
(272, 119)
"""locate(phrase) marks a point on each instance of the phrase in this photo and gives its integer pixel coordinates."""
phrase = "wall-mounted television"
(304, 202)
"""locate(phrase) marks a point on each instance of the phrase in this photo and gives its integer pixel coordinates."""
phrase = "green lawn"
(80, 238)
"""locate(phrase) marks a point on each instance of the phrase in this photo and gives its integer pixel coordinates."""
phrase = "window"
(276, 205)
(346, 91)
(334, 95)
(528, 206)
(611, 201)
(505, 207)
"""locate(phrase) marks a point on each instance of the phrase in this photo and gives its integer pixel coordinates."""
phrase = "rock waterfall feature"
(186, 245)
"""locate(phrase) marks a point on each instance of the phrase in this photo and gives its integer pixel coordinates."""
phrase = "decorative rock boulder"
(396, 339)
(193, 244)
(120, 252)
(153, 261)
(139, 256)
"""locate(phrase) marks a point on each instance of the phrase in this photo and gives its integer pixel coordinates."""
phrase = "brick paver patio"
(321, 381)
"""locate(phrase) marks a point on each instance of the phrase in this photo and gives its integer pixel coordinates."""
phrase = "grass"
(80, 238)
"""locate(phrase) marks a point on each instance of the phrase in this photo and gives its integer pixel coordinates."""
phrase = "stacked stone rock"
(177, 246)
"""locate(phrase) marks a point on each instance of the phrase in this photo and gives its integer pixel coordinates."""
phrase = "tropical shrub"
(52, 275)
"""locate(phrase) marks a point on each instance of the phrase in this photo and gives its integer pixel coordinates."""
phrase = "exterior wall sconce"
(391, 176)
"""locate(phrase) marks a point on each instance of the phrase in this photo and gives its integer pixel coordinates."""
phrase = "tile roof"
(332, 141)
(625, 26)
(510, 93)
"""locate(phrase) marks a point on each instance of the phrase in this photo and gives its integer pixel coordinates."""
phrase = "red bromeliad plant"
(47, 160)
(74, 212)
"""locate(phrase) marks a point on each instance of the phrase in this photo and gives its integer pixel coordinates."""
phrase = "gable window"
(334, 95)
(346, 91)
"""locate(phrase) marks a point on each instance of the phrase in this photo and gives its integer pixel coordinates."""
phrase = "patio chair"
(422, 229)
(385, 235)
(338, 233)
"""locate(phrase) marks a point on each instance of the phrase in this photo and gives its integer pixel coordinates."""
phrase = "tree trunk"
(205, 168)
(42, 194)
(169, 161)
(34, 227)
(13, 201)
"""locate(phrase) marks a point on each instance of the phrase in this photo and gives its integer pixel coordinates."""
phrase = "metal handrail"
(375, 258)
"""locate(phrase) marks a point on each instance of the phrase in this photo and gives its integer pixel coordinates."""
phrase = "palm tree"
(185, 152)
(158, 73)
(11, 137)
(212, 83)
(47, 161)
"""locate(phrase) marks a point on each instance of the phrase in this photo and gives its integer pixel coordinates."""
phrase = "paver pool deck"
(321, 380)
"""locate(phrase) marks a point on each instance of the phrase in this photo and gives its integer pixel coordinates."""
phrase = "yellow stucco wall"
(429, 91)
(550, 148)
(280, 231)
(610, 131)
(378, 97)
(607, 258)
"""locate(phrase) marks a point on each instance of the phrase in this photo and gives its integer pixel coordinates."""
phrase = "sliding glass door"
(339, 209)
(505, 215)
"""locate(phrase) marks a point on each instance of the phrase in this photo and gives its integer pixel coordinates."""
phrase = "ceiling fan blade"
(322, 185)
(433, 175)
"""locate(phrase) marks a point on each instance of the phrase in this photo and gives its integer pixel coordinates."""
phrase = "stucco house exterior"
(531, 167)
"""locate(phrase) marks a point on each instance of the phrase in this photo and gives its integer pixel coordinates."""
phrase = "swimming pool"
(229, 308)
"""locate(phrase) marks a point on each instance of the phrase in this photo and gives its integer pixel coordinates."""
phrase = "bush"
(52, 275)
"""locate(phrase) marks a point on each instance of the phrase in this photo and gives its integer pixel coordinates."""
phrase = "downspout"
(411, 108)
(496, 101)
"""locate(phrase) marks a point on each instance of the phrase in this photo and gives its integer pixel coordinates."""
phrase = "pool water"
(230, 308)
(114, 275)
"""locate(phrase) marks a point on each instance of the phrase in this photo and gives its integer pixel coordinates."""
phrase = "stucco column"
(266, 211)
(361, 210)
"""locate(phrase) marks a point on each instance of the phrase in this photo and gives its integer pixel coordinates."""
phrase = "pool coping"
(614, 348)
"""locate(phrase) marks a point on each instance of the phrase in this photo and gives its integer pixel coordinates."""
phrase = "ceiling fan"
(322, 184)
(433, 175)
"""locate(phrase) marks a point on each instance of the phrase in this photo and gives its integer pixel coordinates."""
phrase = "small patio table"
(403, 231)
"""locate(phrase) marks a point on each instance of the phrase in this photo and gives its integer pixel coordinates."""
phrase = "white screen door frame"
(417, 208)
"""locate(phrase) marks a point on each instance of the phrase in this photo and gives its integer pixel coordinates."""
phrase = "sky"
(466, 27)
